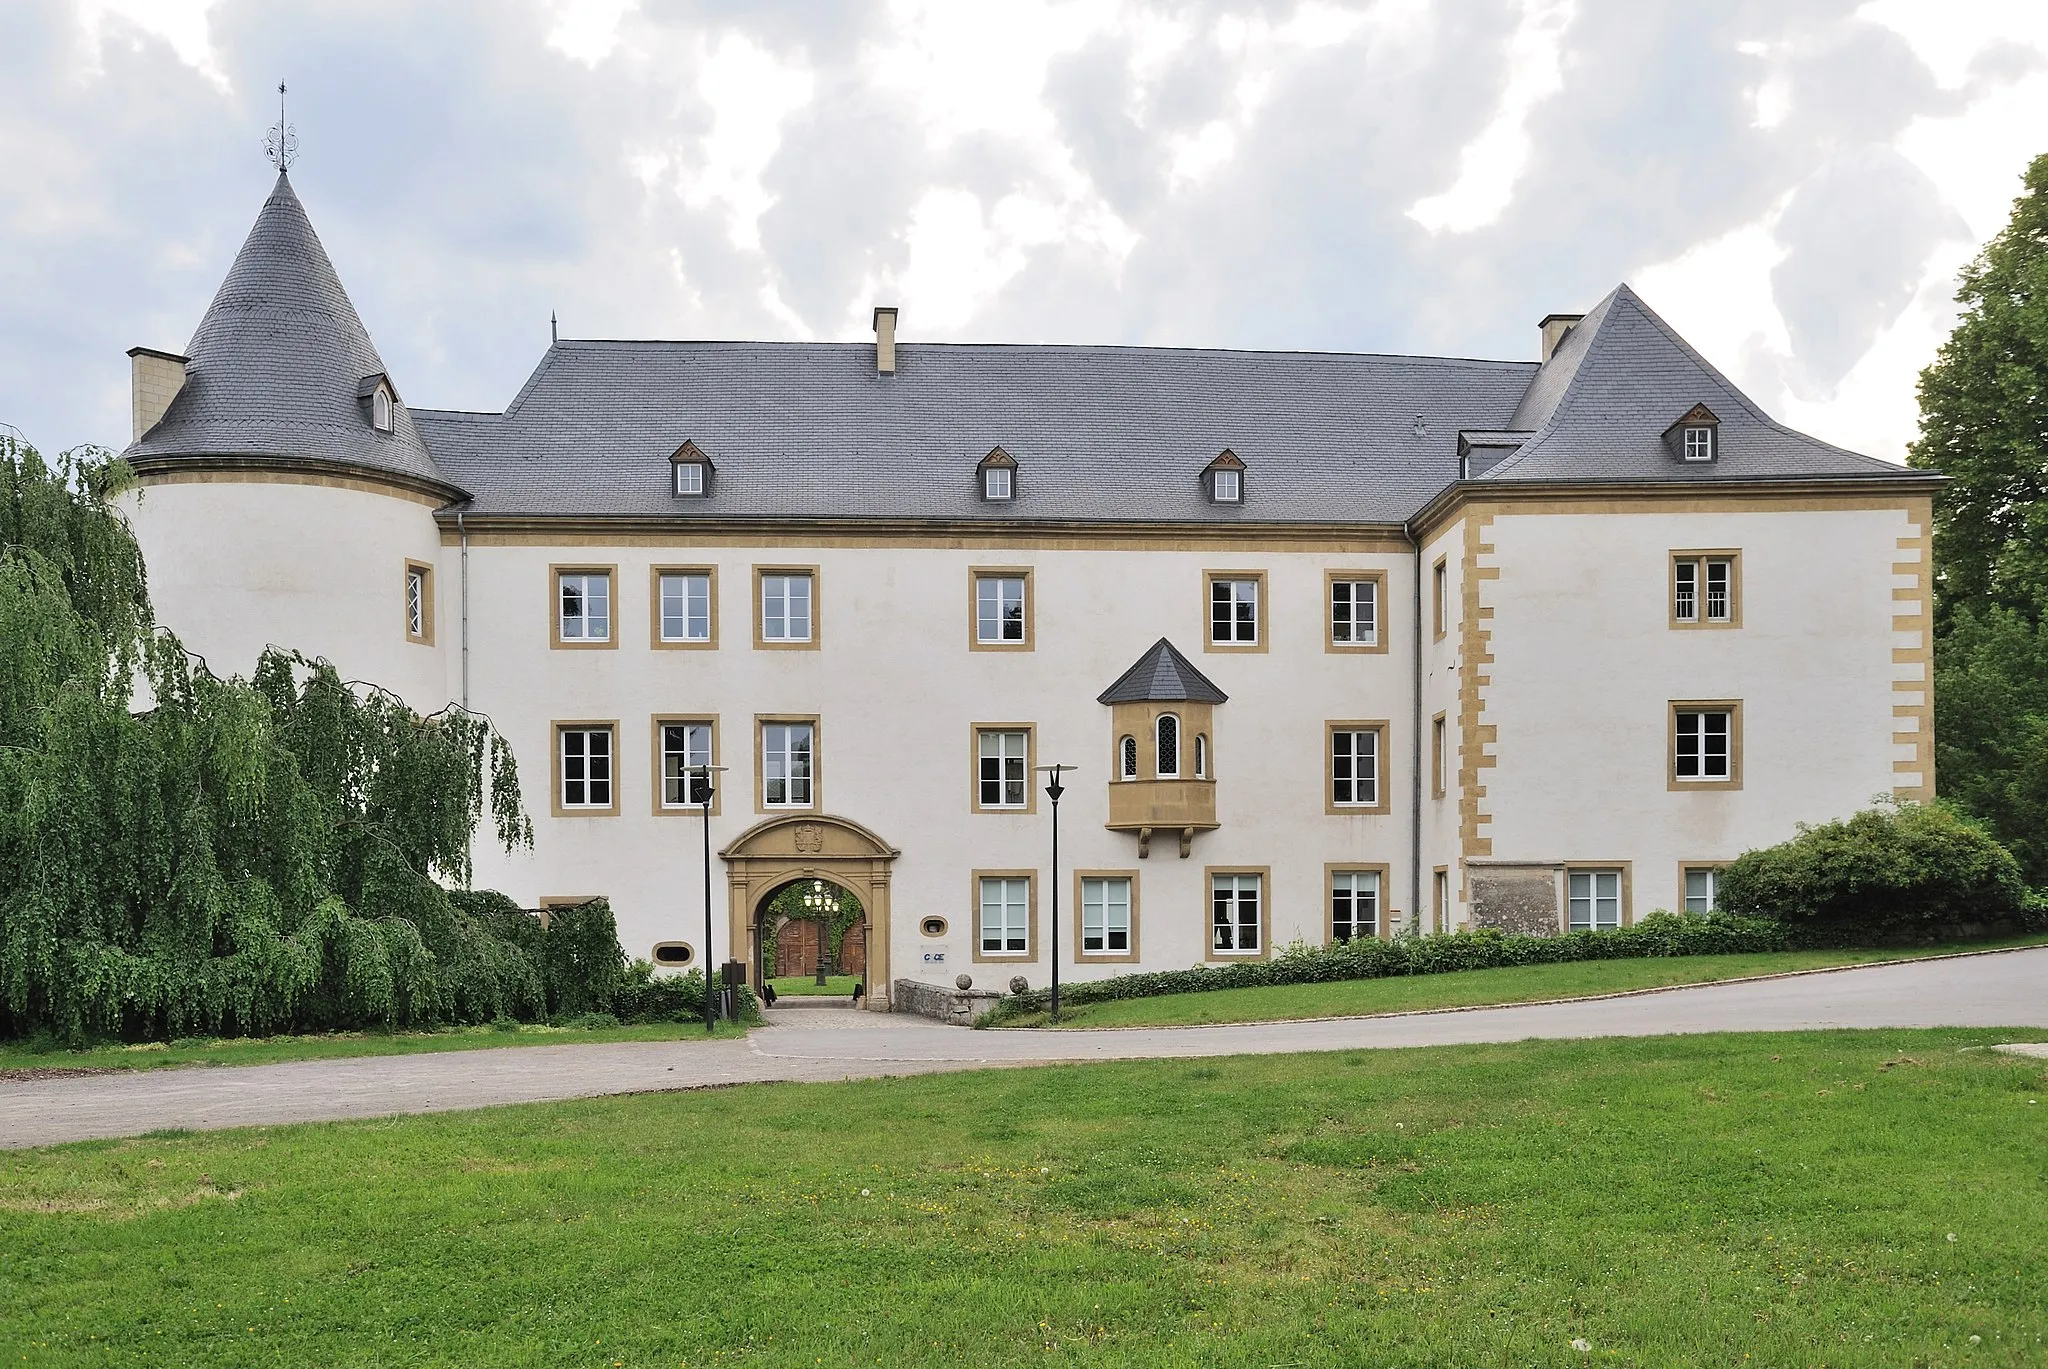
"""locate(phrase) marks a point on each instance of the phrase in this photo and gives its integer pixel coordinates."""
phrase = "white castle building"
(1340, 644)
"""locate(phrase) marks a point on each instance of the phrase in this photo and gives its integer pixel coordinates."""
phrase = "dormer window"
(689, 472)
(998, 475)
(1696, 437)
(379, 401)
(1225, 478)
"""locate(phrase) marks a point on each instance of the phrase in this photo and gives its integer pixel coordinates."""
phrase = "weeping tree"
(182, 853)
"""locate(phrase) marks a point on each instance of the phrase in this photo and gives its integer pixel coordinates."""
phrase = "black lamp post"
(824, 907)
(702, 774)
(1053, 790)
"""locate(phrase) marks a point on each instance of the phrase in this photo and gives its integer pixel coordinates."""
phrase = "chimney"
(156, 377)
(885, 340)
(1554, 327)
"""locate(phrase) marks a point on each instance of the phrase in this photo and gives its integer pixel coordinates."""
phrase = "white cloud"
(588, 30)
(751, 93)
(1492, 162)
(182, 24)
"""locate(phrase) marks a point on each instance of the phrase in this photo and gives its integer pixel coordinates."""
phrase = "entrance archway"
(770, 854)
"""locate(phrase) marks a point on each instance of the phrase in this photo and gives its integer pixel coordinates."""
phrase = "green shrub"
(1659, 934)
(644, 996)
(1894, 870)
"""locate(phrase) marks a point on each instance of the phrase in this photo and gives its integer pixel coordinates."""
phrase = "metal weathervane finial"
(281, 143)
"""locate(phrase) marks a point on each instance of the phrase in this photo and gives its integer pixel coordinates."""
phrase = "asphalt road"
(2007, 989)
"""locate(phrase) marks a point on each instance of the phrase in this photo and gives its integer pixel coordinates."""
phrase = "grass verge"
(806, 986)
(1465, 988)
(273, 1050)
(1869, 1198)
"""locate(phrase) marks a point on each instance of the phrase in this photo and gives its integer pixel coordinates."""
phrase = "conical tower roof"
(281, 367)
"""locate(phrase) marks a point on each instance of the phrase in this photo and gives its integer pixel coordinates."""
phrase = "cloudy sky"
(1793, 183)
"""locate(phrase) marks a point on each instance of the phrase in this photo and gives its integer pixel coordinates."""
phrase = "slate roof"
(1098, 433)
(1599, 409)
(1162, 675)
(278, 364)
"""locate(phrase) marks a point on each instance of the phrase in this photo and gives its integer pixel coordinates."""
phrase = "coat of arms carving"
(810, 838)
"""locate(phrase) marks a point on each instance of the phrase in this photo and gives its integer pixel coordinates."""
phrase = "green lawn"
(1840, 1198)
(1467, 988)
(806, 985)
(273, 1049)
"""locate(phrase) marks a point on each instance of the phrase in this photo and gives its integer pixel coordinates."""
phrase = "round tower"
(285, 495)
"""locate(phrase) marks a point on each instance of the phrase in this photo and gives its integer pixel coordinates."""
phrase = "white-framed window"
(1127, 758)
(785, 608)
(1005, 915)
(1004, 777)
(1355, 767)
(586, 767)
(1233, 610)
(1699, 444)
(1704, 750)
(1440, 598)
(586, 606)
(1201, 755)
(996, 482)
(1443, 900)
(1439, 756)
(685, 746)
(786, 764)
(1703, 589)
(1594, 900)
(1355, 612)
(1354, 905)
(380, 409)
(1106, 915)
(1226, 486)
(685, 606)
(998, 605)
(1702, 888)
(1234, 914)
(689, 477)
(416, 583)
(1167, 733)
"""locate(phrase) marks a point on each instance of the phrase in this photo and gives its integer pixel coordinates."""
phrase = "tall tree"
(1984, 421)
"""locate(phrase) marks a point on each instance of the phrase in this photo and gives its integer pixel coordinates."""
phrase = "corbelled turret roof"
(1162, 675)
(277, 370)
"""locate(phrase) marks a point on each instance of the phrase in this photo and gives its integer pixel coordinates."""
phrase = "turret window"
(1201, 756)
(1127, 757)
(1168, 729)
(380, 409)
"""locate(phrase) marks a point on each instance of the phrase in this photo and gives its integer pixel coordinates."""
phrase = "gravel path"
(2008, 989)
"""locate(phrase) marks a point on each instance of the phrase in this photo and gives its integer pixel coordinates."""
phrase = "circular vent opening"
(673, 953)
(934, 926)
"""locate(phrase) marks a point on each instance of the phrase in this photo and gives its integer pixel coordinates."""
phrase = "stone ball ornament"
(1019, 984)
(964, 981)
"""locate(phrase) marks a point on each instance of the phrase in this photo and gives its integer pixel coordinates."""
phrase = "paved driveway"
(2009, 989)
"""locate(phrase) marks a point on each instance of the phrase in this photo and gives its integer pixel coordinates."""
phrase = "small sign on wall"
(935, 955)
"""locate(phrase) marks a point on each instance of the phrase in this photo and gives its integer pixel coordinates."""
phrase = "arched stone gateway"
(770, 854)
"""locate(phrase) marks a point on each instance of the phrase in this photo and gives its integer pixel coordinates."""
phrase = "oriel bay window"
(685, 607)
(1706, 744)
(1002, 768)
(1354, 904)
(1106, 911)
(584, 776)
(1237, 914)
(583, 606)
(787, 760)
(1003, 915)
(683, 746)
(1355, 758)
(1705, 589)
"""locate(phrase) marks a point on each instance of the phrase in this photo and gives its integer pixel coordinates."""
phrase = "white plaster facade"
(1525, 601)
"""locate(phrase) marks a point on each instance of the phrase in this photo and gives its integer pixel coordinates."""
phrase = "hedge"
(644, 996)
(1659, 934)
